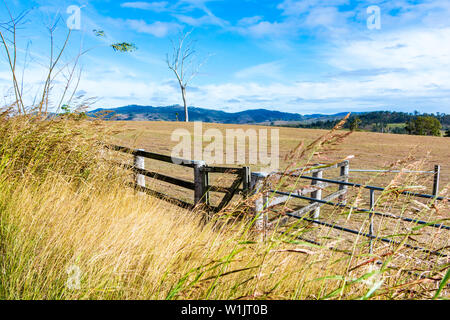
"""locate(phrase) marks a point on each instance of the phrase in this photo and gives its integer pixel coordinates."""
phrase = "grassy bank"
(71, 229)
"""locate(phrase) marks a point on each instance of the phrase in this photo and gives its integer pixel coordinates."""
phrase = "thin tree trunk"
(186, 115)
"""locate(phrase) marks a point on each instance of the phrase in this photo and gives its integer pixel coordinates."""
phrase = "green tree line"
(392, 122)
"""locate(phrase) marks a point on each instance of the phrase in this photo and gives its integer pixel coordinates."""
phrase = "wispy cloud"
(249, 20)
(152, 6)
(309, 17)
(209, 18)
(261, 29)
(271, 70)
(299, 7)
(157, 29)
(200, 21)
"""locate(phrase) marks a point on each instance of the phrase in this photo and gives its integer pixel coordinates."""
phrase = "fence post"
(372, 207)
(200, 182)
(316, 194)
(256, 183)
(437, 173)
(139, 163)
(247, 178)
(345, 169)
(205, 186)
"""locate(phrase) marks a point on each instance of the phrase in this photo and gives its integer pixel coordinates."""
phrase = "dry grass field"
(371, 150)
(71, 228)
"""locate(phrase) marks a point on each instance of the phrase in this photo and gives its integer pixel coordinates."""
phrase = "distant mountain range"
(176, 112)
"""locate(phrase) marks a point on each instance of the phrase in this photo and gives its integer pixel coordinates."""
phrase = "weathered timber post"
(139, 163)
(205, 186)
(246, 181)
(372, 208)
(200, 182)
(437, 174)
(345, 169)
(316, 194)
(256, 184)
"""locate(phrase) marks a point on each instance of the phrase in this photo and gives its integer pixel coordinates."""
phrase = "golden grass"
(64, 207)
(132, 247)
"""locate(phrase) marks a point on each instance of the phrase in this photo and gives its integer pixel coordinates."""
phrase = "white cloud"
(307, 17)
(294, 8)
(325, 16)
(201, 21)
(271, 70)
(405, 91)
(201, 4)
(151, 6)
(268, 29)
(249, 20)
(330, 95)
(412, 49)
(157, 29)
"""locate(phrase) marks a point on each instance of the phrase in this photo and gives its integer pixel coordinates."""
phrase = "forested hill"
(176, 113)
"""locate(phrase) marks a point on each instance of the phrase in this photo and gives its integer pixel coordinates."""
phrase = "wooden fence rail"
(253, 183)
(200, 184)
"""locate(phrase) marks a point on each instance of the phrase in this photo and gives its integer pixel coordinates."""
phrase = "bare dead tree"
(55, 71)
(53, 62)
(10, 46)
(183, 65)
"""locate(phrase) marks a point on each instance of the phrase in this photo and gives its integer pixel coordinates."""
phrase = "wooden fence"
(249, 183)
(200, 184)
(254, 183)
(246, 183)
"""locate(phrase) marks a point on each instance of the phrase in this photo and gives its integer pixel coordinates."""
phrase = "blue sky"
(305, 56)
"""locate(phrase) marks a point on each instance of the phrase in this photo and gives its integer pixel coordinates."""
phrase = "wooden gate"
(201, 179)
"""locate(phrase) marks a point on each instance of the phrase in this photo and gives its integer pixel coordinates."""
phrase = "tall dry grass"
(65, 211)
